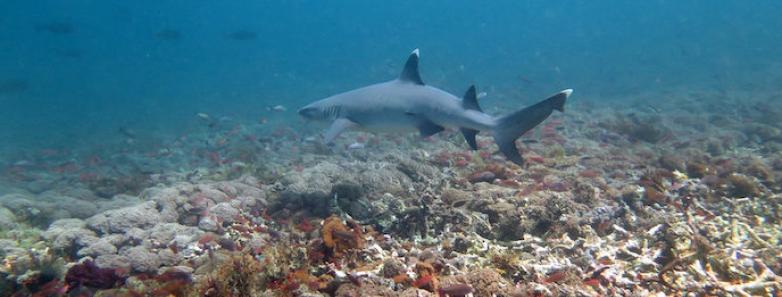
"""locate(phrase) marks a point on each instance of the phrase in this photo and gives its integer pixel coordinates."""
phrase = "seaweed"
(87, 274)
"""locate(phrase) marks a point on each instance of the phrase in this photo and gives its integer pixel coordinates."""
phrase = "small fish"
(278, 108)
(356, 146)
(481, 95)
(653, 108)
(210, 122)
(129, 133)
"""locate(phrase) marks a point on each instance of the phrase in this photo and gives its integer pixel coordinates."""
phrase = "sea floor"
(665, 194)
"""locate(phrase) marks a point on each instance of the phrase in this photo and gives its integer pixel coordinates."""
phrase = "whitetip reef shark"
(406, 102)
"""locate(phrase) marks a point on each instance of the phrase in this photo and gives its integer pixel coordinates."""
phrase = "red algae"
(90, 275)
(481, 176)
(305, 226)
(423, 281)
(555, 277)
(536, 159)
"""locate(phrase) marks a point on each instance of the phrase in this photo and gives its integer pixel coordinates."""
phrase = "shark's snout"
(309, 112)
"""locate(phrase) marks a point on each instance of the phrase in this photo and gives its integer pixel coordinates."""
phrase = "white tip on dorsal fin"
(416, 52)
(410, 72)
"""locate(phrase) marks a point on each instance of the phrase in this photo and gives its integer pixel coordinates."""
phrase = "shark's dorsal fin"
(470, 100)
(410, 73)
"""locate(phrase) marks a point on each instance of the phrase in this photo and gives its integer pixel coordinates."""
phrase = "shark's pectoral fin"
(428, 128)
(469, 136)
(337, 127)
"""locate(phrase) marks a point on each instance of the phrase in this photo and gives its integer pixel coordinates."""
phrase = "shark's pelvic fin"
(337, 127)
(469, 136)
(428, 128)
(410, 73)
(470, 101)
(512, 126)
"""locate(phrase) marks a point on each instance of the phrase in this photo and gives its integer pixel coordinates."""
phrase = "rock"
(141, 259)
(182, 269)
(208, 223)
(455, 197)
(27, 208)
(384, 180)
(118, 201)
(69, 235)
(76, 208)
(172, 233)
(673, 162)
(135, 236)
(98, 248)
(8, 246)
(7, 219)
(213, 194)
(39, 185)
(393, 267)
(121, 220)
(487, 282)
(113, 261)
(168, 257)
(366, 289)
(224, 211)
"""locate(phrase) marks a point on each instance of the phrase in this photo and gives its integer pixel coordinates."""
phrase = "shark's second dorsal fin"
(470, 100)
(410, 73)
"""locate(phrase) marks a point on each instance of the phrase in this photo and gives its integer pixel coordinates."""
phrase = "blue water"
(76, 89)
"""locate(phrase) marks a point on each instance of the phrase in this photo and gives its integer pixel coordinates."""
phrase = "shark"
(407, 103)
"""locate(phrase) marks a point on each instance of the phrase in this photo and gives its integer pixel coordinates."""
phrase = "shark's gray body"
(408, 103)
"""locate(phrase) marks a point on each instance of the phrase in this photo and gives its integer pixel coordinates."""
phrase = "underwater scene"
(390, 148)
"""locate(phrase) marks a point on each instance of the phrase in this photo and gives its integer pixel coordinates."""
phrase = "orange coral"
(339, 237)
(401, 278)
(427, 278)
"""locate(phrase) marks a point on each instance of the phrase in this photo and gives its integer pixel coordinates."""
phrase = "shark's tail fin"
(512, 126)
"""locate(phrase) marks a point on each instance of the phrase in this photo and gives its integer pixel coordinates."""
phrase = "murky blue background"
(61, 90)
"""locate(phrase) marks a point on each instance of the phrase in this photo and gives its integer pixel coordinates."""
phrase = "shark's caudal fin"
(470, 101)
(512, 126)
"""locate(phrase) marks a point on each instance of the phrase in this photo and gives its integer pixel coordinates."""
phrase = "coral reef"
(616, 202)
